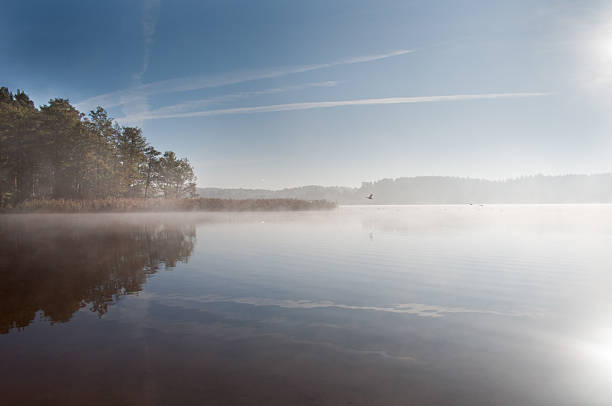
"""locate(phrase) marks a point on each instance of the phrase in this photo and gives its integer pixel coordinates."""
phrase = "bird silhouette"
(371, 196)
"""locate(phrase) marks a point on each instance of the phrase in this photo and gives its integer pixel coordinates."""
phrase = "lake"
(372, 305)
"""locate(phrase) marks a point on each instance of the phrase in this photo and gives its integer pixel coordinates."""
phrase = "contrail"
(340, 103)
(121, 97)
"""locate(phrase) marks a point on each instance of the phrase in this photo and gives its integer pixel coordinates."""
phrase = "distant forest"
(445, 190)
(56, 152)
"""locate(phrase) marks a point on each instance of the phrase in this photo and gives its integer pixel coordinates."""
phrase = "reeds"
(154, 205)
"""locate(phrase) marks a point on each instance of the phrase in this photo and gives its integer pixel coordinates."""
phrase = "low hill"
(444, 190)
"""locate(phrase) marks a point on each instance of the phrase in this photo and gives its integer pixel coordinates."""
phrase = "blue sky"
(274, 94)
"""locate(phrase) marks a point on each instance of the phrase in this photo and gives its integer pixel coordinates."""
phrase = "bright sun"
(606, 49)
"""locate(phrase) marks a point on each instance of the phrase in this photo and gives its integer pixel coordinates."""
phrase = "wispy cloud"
(138, 103)
(149, 22)
(121, 97)
(195, 104)
(340, 103)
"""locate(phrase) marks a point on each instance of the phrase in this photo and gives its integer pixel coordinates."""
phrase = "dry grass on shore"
(154, 205)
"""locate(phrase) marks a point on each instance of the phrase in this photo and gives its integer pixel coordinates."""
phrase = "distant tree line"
(56, 152)
(596, 188)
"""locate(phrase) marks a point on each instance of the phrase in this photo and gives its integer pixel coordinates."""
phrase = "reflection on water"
(58, 267)
(378, 305)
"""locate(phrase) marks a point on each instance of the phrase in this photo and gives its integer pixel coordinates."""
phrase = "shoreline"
(127, 205)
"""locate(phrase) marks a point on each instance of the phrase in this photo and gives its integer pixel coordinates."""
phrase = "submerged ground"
(444, 305)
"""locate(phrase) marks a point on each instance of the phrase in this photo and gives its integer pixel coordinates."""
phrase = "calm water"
(426, 305)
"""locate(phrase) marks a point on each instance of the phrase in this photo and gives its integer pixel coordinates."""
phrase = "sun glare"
(598, 352)
(606, 48)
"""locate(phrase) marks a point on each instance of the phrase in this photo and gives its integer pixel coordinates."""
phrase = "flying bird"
(371, 196)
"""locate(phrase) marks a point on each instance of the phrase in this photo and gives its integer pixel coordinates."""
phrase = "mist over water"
(452, 305)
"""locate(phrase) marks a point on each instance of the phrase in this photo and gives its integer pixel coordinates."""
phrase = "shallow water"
(440, 305)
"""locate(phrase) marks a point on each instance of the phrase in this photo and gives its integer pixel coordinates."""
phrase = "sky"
(274, 94)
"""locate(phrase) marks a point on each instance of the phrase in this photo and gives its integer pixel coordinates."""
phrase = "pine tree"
(55, 152)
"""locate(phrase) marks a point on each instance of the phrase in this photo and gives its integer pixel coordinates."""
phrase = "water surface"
(428, 305)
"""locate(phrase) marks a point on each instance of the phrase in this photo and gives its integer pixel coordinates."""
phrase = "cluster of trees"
(57, 152)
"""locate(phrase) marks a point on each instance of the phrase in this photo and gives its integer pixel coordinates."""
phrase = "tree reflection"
(60, 264)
